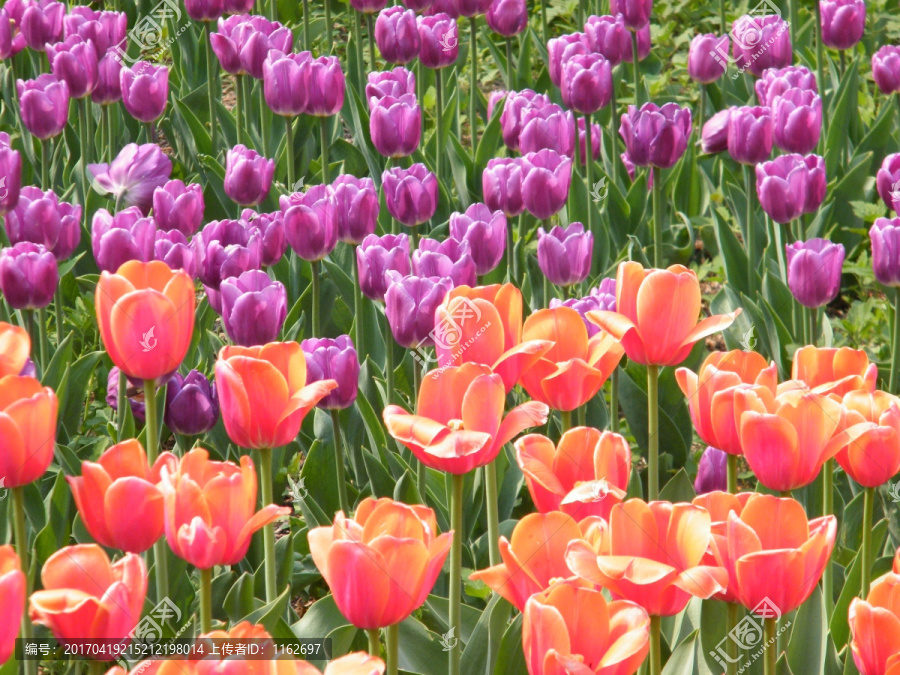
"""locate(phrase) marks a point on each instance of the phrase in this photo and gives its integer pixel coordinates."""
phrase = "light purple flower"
(333, 359)
(564, 254)
(449, 259)
(248, 175)
(356, 208)
(814, 271)
(270, 227)
(134, 174)
(177, 206)
(253, 308)
(172, 248)
(377, 255)
(225, 248)
(116, 239)
(485, 231)
(39, 217)
(310, 223)
(28, 275)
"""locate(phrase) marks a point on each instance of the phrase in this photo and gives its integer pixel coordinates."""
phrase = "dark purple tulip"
(471, 7)
(192, 404)
(253, 308)
(707, 57)
(545, 186)
(333, 359)
(116, 239)
(887, 180)
(177, 206)
(283, 82)
(797, 119)
(225, 248)
(310, 223)
(636, 13)
(596, 135)
(74, 62)
(447, 7)
(395, 125)
(750, 134)
(377, 255)
(547, 128)
(104, 29)
(485, 232)
(10, 175)
(397, 35)
(816, 184)
(6, 34)
(145, 90)
(135, 402)
(517, 103)
(411, 194)
(814, 271)
(324, 83)
(248, 175)
(29, 369)
(109, 86)
(42, 23)
(564, 254)
(561, 49)
(501, 184)
(410, 303)
(782, 186)
(714, 135)
(775, 81)
(601, 298)
(607, 35)
(39, 217)
(656, 136)
(243, 43)
(507, 17)
(843, 22)
(449, 259)
(44, 105)
(368, 6)
(134, 174)
(439, 40)
(886, 69)
(28, 275)
(204, 10)
(270, 227)
(356, 207)
(586, 85)
(417, 5)
(395, 83)
(712, 471)
(172, 248)
(760, 42)
(885, 236)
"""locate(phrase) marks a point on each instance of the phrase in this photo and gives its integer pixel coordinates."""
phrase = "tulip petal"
(133, 514)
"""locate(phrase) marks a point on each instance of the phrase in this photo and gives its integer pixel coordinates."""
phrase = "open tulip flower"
(15, 346)
(572, 628)
(874, 457)
(719, 505)
(828, 370)
(27, 429)
(86, 597)
(263, 394)
(875, 627)
(459, 423)
(382, 563)
(12, 590)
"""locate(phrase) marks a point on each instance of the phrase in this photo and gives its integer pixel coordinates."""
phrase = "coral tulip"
(831, 370)
(875, 627)
(15, 346)
(874, 457)
(12, 589)
(27, 427)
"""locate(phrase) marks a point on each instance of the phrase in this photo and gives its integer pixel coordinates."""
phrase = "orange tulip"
(720, 505)
(710, 394)
(86, 597)
(655, 556)
(834, 371)
(15, 346)
(27, 430)
(771, 551)
(874, 457)
(535, 556)
(484, 325)
(263, 394)
(381, 564)
(459, 423)
(12, 590)
(571, 628)
(146, 316)
(118, 498)
(875, 628)
(656, 314)
(210, 509)
(356, 663)
(586, 459)
(574, 369)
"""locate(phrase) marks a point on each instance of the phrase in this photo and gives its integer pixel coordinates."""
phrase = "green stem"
(820, 73)
(392, 648)
(895, 346)
(439, 120)
(307, 41)
(456, 524)
(614, 134)
(421, 469)
(493, 515)
(701, 111)
(635, 63)
(731, 620)
(45, 165)
(748, 187)
(732, 469)
(520, 227)
(792, 19)
(374, 642)
(589, 172)
(652, 432)
(265, 482)
(121, 402)
(357, 307)
(205, 600)
(339, 460)
(42, 337)
(388, 362)
(828, 508)
(655, 644)
(329, 27)
(657, 219)
(545, 31)
(614, 400)
(211, 85)
(265, 118)
(565, 419)
(238, 108)
(107, 126)
(83, 112)
(812, 313)
(58, 312)
(771, 651)
(316, 300)
(97, 667)
(509, 64)
(786, 494)
(289, 151)
(473, 83)
(323, 135)
(357, 45)
(21, 539)
(722, 22)
(370, 26)
(868, 509)
(151, 425)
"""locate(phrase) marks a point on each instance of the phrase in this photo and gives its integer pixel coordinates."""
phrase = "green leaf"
(510, 657)
(682, 659)
(806, 648)
(679, 488)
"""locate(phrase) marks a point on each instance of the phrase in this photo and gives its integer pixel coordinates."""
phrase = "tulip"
(843, 22)
(145, 312)
(410, 303)
(377, 255)
(586, 83)
(547, 128)
(507, 17)
(596, 135)
(797, 120)
(885, 236)
(14, 10)
(363, 558)
(417, 5)
(270, 228)
(15, 346)
(134, 395)
(814, 271)
(324, 83)
(515, 106)
(248, 175)
(874, 457)
(368, 6)
(333, 359)
(545, 187)
(145, 90)
(85, 597)
(411, 194)
(12, 588)
(887, 180)
(134, 174)
(44, 105)
(396, 83)
(283, 82)
(29, 415)
(875, 628)
(116, 239)
(470, 8)
(607, 35)
(561, 49)
(448, 259)
(564, 254)
(834, 371)
(886, 69)
(636, 13)
(817, 183)
(253, 308)
(205, 11)
(761, 42)
(105, 30)
(226, 248)
(109, 87)
(705, 57)
(485, 232)
(75, 62)
(397, 35)
(356, 208)
(601, 298)
(10, 174)
(263, 393)
(656, 136)
(714, 135)
(309, 222)
(711, 471)
(395, 125)
(28, 275)
(438, 40)
(501, 184)
(782, 187)
(6, 34)
(192, 404)
(355, 663)
(775, 81)
(177, 206)
(244, 42)
(42, 23)
(751, 132)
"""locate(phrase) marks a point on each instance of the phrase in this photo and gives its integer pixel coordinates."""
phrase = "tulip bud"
(410, 303)
(133, 394)
(42, 23)
(547, 128)
(439, 40)
(10, 175)
(283, 80)
(817, 183)
(44, 105)
(395, 125)
(761, 42)
(377, 255)
(714, 135)
(707, 57)
(545, 187)
(601, 298)
(368, 6)
(507, 17)
(797, 120)
(118, 238)
(887, 181)
(172, 248)
(886, 69)
(485, 232)
(40, 217)
(607, 35)
(775, 81)
(324, 83)
(656, 136)
(134, 174)
(782, 186)
(192, 404)
(333, 359)
(270, 228)
(470, 8)
(750, 134)
(356, 208)
(814, 271)
(248, 175)
(253, 308)
(586, 83)
(177, 206)
(885, 236)
(105, 30)
(501, 184)
(242, 43)
(75, 62)
(205, 10)
(561, 49)
(396, 83)
(636, 13)
(711, 472)
(517, 103)
(28, 275)
(397, 35)
(564, 254)
(843, 22)
(145, 90)
(411, 194)
(226, 248)
(310, 223)
(109, 86)
(448, 259)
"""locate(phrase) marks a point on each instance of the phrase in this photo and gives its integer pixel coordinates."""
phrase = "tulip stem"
(589, 173)
(265, 482)
(97, 667)
(388, 362)
(58, 311)
(316, 300)
(421, 469)
(786, 494)
(151, 426)
(438, 120)
(205, 601)
(509, 64)
(655, 639)
(771, 650)
(238, 107)
(21, 538)
(614, 400)
(85, 144)
(812, 314)
(748, 189)
(820, 73)
(339, 460)
(289, 151)
(545, 31)
(456, 516)
(121, 402)
(652, 432)
(374, 642)
(264, 121)
(45, 166)
(565, 420)
(722, 17)
(329, 27)
(493, 515)
(370, 26)
(614, 134)
(307, 42)
(731, 470)
(656, 191)
(635, 63)
(323, 134)
(210, 86)
(42, 337)
(828, 508)
(357, 307)
(473, 83)
(868, 509)
(895, 346)
(731, 620)
(392, 648)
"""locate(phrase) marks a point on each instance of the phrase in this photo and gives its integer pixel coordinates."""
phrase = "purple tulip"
(782, 186)
(116, 239)
(451, 259)
(417, 5)
(105, 30)
(243, 43)
(310, 222)
(601, 298)
(814, 271)
(707, 57)
(410, 303)
(517, 103)
(44, 105)
(596, 135)
(109, 86)
(411, 194)
(636, 13)
(270, 227)
(545, 186)
(14, 10)
(496, 96)
(356, 208)
(607, 35)
(714, 135)
(225, 248)
(172, 248)
(177, 206)
(10, 175)
(134, 174)
(761, 42)
(750, 134)
(238, 6)
(656, 136)
(471, 8)
(547, 128)
(395, 83)
(439, 40)
(395, 125)
(28, 275)
(192, 404)
(843, 22)
(631, 170)
(74, 62)
(886, 69)
(42, 23)
(135, 402)
(485, 231)
(397, 35)
(204, 10)
(253, 308)
(39, 217)
(797, 120)
(712, 471)
(775, 81)
(368, 6)
(561, 49)
(284, 76)
(564, 254)
(586, 83)
(377, 255)
(248, 175)
(885, 236)
(6, 34)
(507, 17)
(333, 359)
(816, 184)
(324, 83)
(887, 180)
(501, 184)
(145, 90)
(644, 45)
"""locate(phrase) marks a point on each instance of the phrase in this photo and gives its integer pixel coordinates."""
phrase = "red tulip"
(12, 590)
